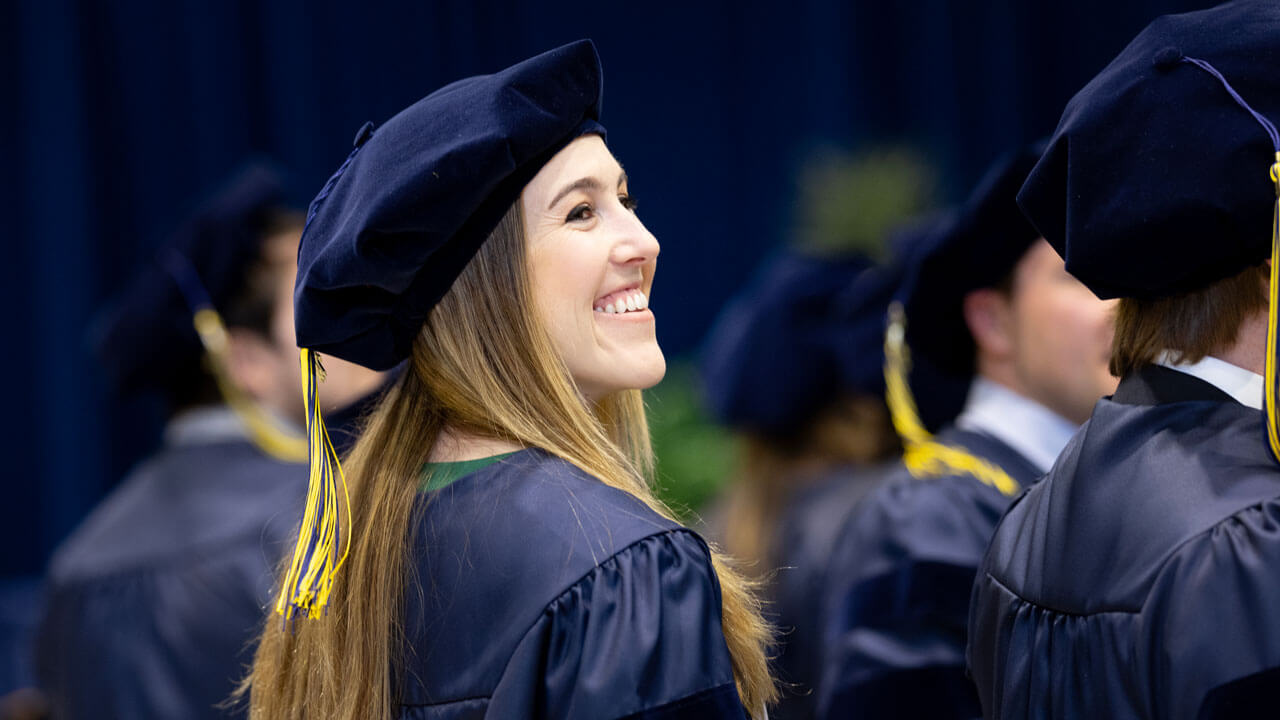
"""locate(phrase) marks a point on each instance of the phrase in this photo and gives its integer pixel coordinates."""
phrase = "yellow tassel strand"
(264, 431)
(924, 456)
(316, 558)
(1273, 433)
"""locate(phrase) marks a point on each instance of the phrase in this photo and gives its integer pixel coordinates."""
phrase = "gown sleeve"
(1213, 628)
(637, 637)
(894, 619)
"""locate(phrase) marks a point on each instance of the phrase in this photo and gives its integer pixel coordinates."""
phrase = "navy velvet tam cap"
(147, 340)
(978, 248)
(396, 224)
(791, 342)
(1156, 181)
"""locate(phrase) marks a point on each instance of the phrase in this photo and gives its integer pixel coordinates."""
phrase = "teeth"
(630, 303)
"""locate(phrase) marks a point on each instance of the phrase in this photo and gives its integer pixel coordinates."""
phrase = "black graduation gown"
(153, 603)
(901, 574)
(1141, 579)
(544, 593)
(807, 532)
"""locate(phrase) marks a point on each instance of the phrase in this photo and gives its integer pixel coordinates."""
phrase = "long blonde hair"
(483, 364)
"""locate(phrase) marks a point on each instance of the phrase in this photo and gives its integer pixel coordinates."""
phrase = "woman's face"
(592, 263)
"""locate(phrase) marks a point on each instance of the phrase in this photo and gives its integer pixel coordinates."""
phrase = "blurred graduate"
(794, 366)
(153, 602)
(985, 298)
(1141, 578)
(798, 375)
(501, 554)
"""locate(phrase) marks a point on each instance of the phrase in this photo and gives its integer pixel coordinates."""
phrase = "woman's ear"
(989, 314)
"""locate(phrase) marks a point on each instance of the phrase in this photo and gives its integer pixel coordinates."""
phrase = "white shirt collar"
(1025, 425)
(1245, 386)
(204, 424)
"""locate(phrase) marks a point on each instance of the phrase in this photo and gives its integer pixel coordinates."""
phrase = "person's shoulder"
(536, 517)
(910, 500)
(1138, 487)
(181, 504)
(546, 496)
(911, 524)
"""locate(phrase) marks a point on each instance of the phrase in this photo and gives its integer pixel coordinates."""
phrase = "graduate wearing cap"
(1140, 578)
(985, 298)
(490, 548)
(793, 366)
(154, 600)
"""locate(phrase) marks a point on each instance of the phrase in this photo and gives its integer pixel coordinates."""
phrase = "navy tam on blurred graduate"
(497, 552)
(793, 366)
(987, 299)
(1141, 578)
(153, 601)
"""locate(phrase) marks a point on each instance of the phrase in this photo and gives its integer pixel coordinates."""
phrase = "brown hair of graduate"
(481, 364)
(1192, 324)
(853, 430)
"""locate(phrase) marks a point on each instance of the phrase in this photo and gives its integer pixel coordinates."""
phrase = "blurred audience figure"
(152, 603)
(986, 298)
(794, 366)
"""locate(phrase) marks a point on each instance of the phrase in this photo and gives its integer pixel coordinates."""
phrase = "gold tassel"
(923, 456)
(1273, 433)
(316, 557)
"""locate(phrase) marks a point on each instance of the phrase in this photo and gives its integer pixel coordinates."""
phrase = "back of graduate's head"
(231, 256)
(1158, 185)
(1191, 325)
(988, 297)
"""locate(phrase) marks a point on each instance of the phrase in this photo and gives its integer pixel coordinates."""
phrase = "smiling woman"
(592, 264)
(501, 542)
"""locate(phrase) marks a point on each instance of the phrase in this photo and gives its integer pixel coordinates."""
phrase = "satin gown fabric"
(1141, 578)
(543, 593)
(897, 605)
(155, 601)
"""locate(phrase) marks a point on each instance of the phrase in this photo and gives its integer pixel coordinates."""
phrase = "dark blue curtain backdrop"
(119, 114)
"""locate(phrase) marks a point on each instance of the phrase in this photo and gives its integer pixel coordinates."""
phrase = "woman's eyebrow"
(586, 183)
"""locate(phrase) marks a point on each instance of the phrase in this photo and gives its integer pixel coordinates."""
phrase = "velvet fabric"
(978, 247)
(896, 606)
(1156, 182)
(154, 602)
(1139, 578)
(395, 225)
(146, 340)
(800, 302)
(543, 593)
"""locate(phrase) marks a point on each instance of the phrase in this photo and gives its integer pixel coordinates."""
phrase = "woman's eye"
(579, 213)
(628, 202)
